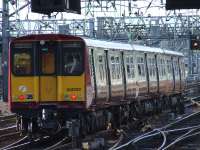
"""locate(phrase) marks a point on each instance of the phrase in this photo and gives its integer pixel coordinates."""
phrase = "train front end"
(47, 79)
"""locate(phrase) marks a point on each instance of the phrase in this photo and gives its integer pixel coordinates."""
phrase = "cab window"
(22, 63)
(72, 57)
(22, 59)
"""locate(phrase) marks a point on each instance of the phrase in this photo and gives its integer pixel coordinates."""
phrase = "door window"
(48, 62)
(48, 58)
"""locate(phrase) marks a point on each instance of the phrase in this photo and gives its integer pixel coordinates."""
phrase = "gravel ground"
(4, 109)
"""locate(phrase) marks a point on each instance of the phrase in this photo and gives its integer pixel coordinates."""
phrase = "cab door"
(47, 70)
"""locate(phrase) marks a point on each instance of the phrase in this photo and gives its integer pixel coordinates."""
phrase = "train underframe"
(79, 122)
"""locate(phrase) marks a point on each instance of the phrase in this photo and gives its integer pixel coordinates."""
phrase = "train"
(64, 81)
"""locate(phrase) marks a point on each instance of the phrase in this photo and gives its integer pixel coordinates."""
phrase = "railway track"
(8, 132)
(7, 121)
(7, 117)
(175, 131)
(42, 142)
(192, 101)
(168, 136)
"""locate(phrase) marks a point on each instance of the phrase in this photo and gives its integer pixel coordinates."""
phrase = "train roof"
(101, 43)
(124, 46)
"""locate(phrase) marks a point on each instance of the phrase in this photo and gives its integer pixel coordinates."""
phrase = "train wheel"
(24, 125)
(18, 123)
(30, 127)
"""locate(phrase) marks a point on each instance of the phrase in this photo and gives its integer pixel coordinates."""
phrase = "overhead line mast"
(5, 47)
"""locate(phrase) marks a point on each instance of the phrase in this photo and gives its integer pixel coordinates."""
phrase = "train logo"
(22, 88)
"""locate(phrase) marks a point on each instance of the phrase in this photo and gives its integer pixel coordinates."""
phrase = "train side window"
(161, 68)
(176, 68)
(182, 64)
(141, 66)
(90, 64)
(22, 63)
(118, 69)
(115, 67)
(169, 69)
(150, 67)
(154, 66)
(101, 67)
(130, 67)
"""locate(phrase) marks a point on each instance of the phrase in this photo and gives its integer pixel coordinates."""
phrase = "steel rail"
(26, 143)
(9, 134)
(180, 139)
(57, 144)
(164, 139)
(8, 128)
(118, 142)
(10, 145)
(153, 132)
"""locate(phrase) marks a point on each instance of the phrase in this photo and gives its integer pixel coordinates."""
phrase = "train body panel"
(46, 71)
(100, 73)
(177, 78)
(47, 89)
(131, 72)
(25, 89)
(71, 88)
(169, 85)
(152, 69)
(141, 78)
(115, 71)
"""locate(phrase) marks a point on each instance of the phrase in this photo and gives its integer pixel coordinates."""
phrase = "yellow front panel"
(71, 88)
(26, 87)
(48, 88)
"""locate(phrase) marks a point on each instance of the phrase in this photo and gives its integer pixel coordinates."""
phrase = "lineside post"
(5, 46)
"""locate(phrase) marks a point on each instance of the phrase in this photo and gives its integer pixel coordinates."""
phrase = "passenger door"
(47, 72)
